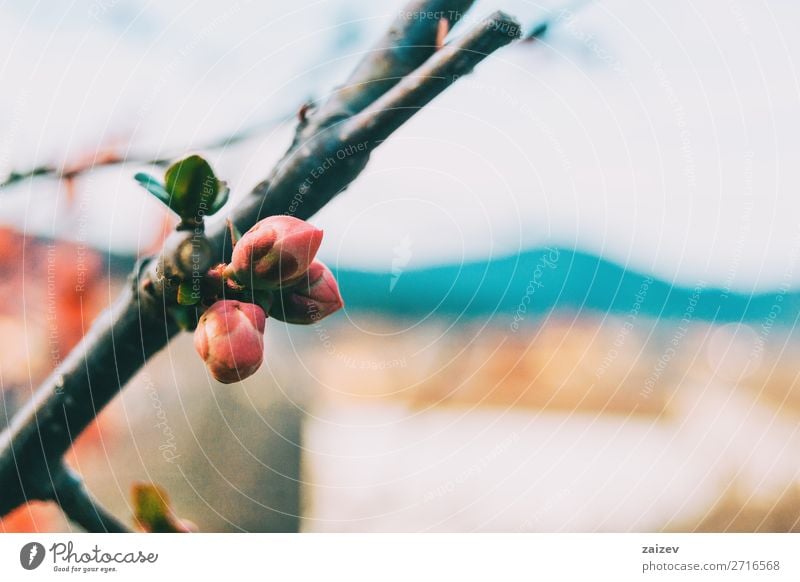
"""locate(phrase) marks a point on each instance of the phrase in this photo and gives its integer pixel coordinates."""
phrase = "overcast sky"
(662, 135)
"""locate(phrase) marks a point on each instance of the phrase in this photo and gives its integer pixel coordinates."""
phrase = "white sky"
(662, 135)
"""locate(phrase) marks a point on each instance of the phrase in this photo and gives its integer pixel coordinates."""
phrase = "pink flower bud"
(314, 296)
(230, 339)
(276, 250)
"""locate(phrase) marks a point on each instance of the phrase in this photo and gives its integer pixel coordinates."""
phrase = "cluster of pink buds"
(272, 272)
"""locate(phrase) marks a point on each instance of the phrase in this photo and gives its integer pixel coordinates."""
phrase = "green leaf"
(191, 189)
(222, 197)
(153, 186)
(153, 511)
(186, 294)
(192, 184)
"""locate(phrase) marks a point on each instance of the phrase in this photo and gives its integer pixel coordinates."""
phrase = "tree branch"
(109, 158)
(420, 87)
(139, 324)
(408, 43)
(79, 506)
(116, 346)
(291, 188)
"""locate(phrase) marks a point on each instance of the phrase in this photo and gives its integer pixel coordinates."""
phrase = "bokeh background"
(572, 281)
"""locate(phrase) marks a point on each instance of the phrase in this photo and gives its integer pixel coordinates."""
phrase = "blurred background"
(572, 280)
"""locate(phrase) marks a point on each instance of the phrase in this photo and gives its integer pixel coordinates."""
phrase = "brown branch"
(79, 506)
(291, 189)
(117, 345)
(420, 87)
(408, 43)
(139, 323)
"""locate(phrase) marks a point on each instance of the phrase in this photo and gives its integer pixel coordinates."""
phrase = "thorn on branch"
(303, 112)
(441, 32)
(539, 31)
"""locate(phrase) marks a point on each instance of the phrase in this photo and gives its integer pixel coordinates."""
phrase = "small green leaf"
(153, 511)
(191, 189)
(186, 294)
(153, 186)
(192, 184)
(222, 197)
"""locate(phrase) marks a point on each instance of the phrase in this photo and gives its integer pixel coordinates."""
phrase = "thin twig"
(541, 28)
(100, 161)
(409, 42)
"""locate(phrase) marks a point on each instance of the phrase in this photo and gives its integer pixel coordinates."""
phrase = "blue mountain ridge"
(539, 281)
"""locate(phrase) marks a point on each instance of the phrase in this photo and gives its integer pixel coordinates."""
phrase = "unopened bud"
(230, 339)
(314, 296)
(277, 250)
